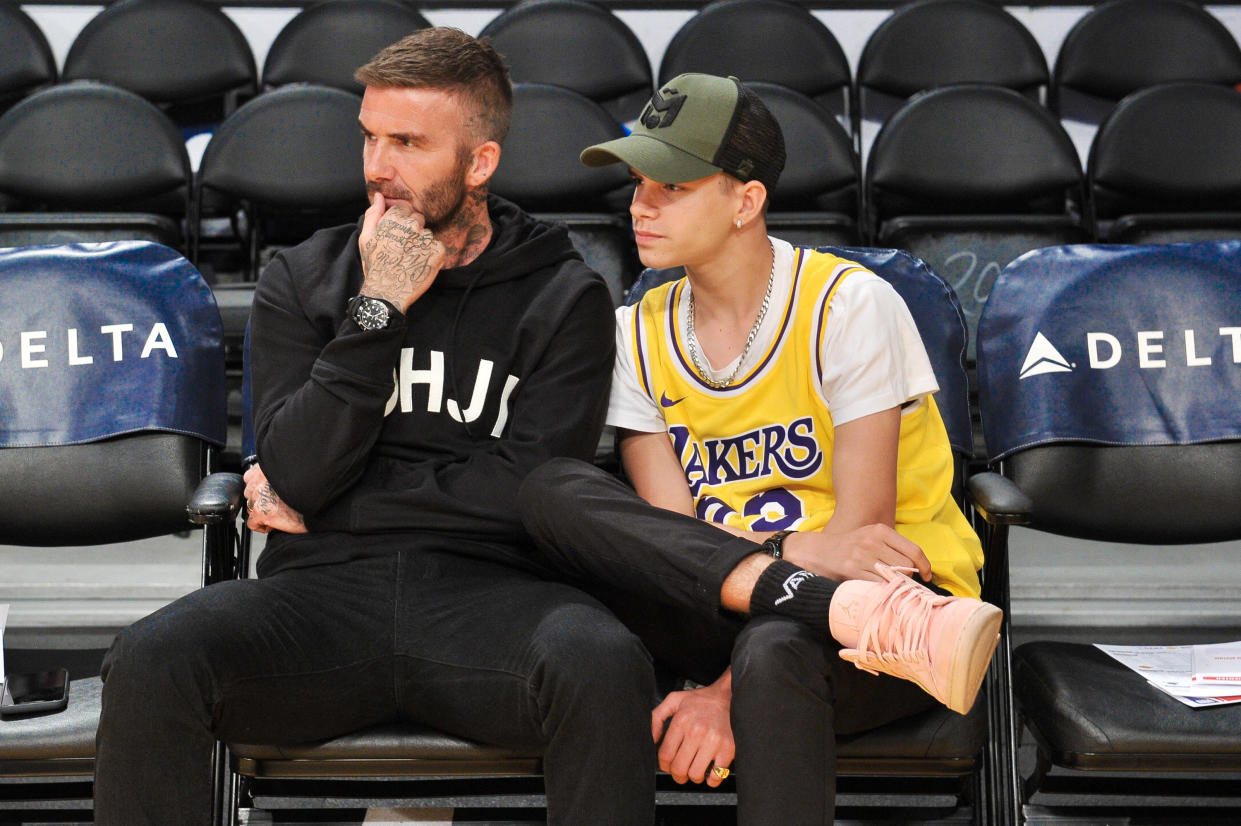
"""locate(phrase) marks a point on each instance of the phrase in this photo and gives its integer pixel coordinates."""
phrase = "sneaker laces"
(895, 634)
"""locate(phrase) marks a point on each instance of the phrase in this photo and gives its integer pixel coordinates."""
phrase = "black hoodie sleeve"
(314, 436)
(319, 439)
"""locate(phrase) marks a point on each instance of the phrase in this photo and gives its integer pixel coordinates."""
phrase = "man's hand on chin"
(400, 256)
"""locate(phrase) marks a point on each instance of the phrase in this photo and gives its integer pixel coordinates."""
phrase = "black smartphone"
(36, 691)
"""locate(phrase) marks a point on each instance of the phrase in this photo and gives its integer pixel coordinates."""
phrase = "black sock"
(793, 592)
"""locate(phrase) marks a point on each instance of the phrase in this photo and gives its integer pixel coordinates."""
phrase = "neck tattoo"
(691, 338)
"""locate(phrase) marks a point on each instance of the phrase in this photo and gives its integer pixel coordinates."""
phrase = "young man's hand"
(267, 510)
(698, 741)
(400, 256)
(853, 555)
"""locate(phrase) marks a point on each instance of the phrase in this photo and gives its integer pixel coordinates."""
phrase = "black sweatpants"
(470, 647)
(662, 572)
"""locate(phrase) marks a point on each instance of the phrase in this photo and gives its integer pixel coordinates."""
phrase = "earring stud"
(738, 223)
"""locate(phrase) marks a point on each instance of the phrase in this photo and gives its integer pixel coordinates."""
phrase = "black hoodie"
(428, 427)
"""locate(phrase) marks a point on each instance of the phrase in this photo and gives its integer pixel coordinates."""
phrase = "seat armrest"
(998, 499)
(217, 499)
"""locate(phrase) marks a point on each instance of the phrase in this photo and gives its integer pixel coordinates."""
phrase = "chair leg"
(219, 792)
(1007, 782)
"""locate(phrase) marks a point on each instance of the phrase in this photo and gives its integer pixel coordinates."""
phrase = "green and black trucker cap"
(697, 125)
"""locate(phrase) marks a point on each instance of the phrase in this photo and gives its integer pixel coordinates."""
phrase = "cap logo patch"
(662, 111)
(745, 167)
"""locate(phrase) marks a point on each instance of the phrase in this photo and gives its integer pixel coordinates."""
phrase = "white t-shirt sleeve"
(872, 354)
(629, 406)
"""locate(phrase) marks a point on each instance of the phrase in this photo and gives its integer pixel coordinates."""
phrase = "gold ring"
(721, 772)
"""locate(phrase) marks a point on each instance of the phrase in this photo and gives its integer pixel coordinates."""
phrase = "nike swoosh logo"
(667, 402)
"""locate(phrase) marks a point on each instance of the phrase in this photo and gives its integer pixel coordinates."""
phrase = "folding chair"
(113, 410)
(1109, 379)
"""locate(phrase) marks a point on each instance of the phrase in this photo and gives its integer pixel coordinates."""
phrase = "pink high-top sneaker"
(902, 628)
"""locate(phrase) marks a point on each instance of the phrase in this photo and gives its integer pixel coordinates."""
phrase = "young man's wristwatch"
(773, 546)
(372, 313)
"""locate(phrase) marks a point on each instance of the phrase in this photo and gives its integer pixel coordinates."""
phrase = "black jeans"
(662, 572)
(469, 647)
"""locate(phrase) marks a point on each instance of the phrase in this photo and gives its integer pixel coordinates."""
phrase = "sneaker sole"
(975, 646)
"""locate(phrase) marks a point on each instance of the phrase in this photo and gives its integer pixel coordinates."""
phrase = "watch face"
(371, 314)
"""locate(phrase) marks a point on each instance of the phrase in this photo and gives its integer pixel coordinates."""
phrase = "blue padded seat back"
(1108, 386)
(113, 384)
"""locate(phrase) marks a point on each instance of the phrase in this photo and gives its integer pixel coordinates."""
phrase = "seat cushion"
(936, 742)
(390, 749)
(59, 743)
(1091, 712)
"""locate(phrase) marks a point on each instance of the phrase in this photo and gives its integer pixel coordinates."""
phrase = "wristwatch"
(774, 545)
(372, 313)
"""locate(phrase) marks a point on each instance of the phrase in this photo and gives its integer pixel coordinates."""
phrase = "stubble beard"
(440, 203)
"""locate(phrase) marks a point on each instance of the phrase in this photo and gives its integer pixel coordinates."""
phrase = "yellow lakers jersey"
(758, 454)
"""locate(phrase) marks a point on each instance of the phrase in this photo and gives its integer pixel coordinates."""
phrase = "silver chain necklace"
(691, 337)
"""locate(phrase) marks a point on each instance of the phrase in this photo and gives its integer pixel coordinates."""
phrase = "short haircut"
(450, 60)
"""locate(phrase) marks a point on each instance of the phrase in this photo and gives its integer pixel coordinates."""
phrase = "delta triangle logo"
(1044, 358)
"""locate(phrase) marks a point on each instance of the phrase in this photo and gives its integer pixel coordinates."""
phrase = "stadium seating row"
(1069, 331)
(967, 177)
(1111, 51)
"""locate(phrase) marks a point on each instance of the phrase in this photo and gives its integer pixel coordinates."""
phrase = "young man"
(407, 374)
(777, 396)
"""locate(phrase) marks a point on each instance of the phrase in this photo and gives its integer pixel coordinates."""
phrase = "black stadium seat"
(1108, 386)
(817, 200)
(26, 60)
(539, 171)
(1121, 46)
(576, 44)
(186, 56)
(1165, 166)
(325, 43)
(280, 191)
(968, 178)
(89, 162)
(931, 43)
(776, 41)
(104, 443)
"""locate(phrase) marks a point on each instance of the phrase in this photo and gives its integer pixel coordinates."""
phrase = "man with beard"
(408, 372)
